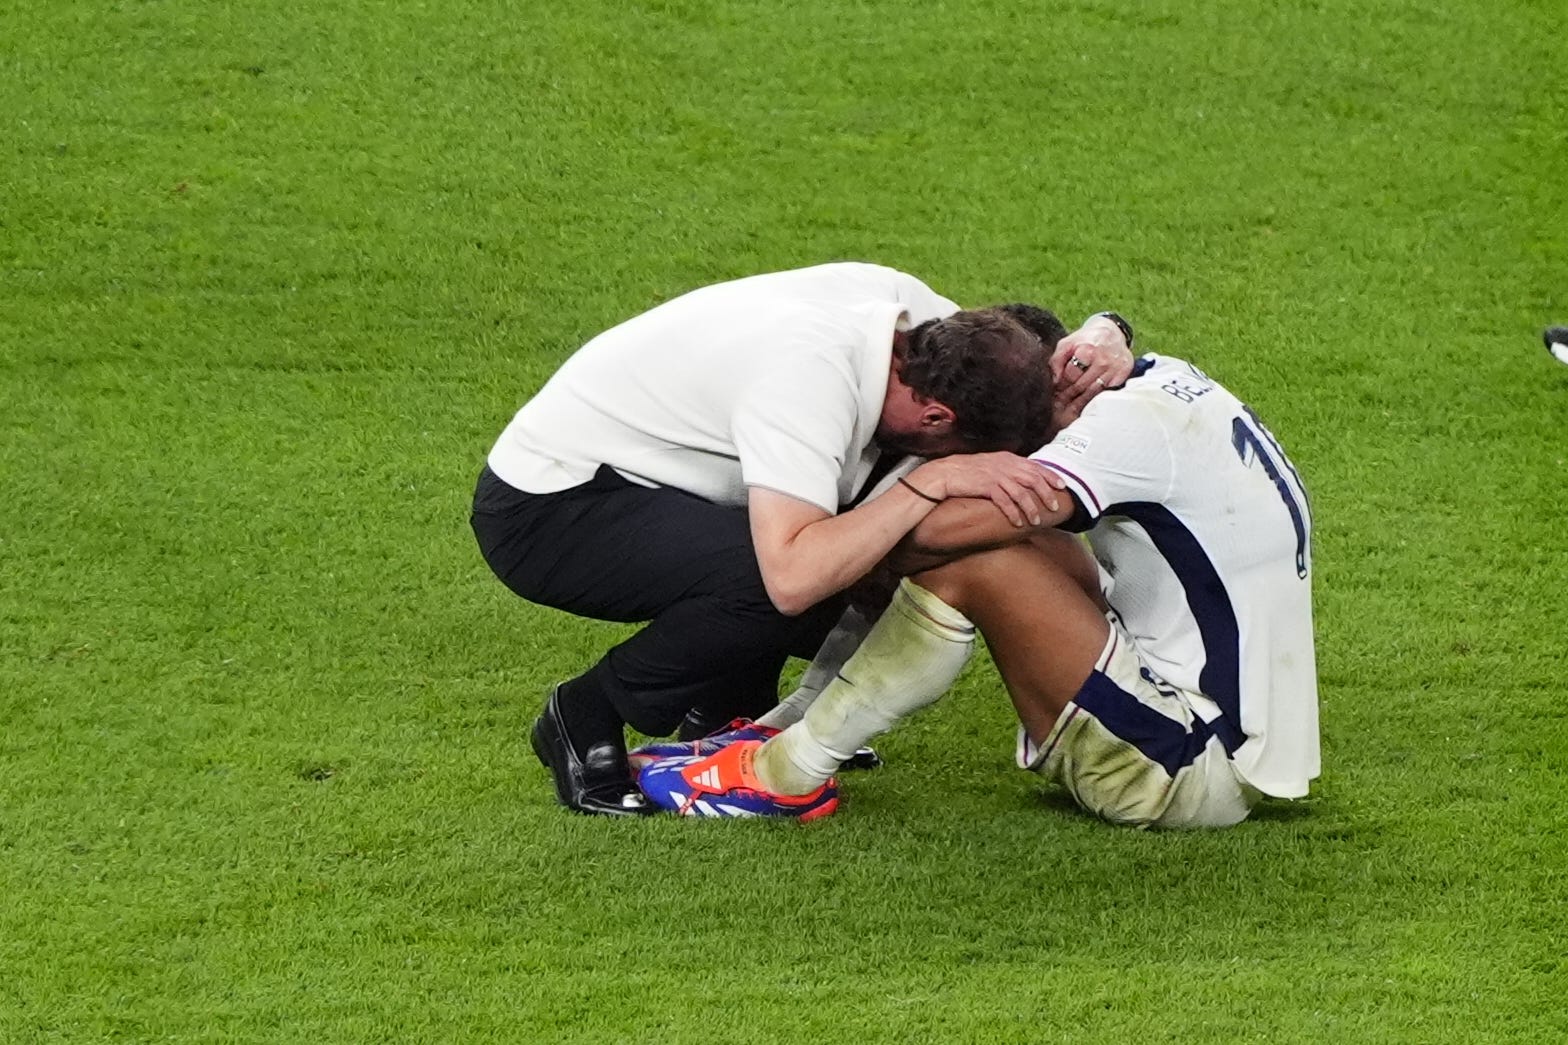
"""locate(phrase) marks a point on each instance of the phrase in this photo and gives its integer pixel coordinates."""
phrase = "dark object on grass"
(1556, 340)
(863, 758)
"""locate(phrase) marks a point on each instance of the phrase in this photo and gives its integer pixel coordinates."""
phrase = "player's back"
(1203, 528)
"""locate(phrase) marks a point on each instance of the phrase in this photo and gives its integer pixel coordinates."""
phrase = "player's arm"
(806, 554)
(966, 525)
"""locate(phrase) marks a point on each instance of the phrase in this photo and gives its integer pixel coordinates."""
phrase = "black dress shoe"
(599, 782)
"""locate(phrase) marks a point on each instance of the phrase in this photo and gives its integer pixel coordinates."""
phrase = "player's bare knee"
(1073, 557)
(964, 582)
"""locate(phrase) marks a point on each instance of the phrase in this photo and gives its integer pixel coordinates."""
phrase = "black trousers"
(616, 551)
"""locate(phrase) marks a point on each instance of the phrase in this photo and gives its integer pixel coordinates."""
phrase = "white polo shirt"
(775, 381)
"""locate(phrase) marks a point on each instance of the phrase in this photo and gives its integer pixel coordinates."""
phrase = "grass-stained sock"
(909, 659)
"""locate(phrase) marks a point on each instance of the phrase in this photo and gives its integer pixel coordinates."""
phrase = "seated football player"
(1163, 672)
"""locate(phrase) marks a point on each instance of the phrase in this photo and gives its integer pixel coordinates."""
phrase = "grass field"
(273, 276)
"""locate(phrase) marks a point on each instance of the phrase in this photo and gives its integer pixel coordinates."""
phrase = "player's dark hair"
(991, 370)
(1041, 322)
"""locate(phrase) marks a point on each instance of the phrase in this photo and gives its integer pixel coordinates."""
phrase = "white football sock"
(838, 647)
(910, 658)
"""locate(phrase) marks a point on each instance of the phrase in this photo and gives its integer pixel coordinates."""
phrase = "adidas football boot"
(724, 785)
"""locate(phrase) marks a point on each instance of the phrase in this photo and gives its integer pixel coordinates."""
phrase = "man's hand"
(1086, 362)
(1023, 490)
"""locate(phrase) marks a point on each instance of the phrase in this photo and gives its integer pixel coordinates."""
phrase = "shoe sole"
(825, 809)
(538, 746)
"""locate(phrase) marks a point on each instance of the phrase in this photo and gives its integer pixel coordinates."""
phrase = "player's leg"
(911, 656)
(1128, 747)
(1032, 596)
(1039, 608)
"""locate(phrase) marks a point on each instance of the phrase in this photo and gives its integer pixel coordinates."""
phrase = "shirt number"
(1249, 435)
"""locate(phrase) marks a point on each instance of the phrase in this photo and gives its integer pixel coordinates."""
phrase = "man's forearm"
(806, 555)
(829, 555)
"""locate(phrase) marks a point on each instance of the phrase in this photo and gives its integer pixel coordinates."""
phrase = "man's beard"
(902, 445)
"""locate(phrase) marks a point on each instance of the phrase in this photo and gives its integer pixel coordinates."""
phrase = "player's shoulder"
(1160, 386)
(1152, 371)
(1141, 412)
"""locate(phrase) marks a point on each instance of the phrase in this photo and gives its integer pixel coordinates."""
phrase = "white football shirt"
(775, 381)
(1202, 529)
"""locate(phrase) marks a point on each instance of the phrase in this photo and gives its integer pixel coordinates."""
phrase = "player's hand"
(1021, 488)
(1086, 362)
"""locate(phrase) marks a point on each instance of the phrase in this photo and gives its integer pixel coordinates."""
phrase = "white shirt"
(1202, 529)
(775, 381)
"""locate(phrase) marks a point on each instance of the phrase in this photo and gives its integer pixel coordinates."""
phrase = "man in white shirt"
(1168, 680)
(697, 467)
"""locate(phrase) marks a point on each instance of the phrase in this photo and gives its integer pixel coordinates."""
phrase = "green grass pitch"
(274, 275)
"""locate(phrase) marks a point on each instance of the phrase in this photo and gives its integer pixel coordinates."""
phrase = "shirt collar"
(875, 359)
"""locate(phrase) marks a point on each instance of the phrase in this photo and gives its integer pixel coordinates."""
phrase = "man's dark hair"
(991, 369)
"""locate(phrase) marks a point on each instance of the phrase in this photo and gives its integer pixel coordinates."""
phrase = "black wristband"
(906, 484)
(1121, 324)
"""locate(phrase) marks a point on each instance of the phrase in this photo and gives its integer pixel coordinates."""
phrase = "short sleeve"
(1117, 452)
(920, 301)
(793, 428)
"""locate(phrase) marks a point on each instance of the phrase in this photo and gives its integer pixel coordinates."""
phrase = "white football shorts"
(1135, 750)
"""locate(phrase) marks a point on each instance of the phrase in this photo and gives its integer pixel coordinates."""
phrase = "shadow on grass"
(1280, 811)
(1061, 803)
